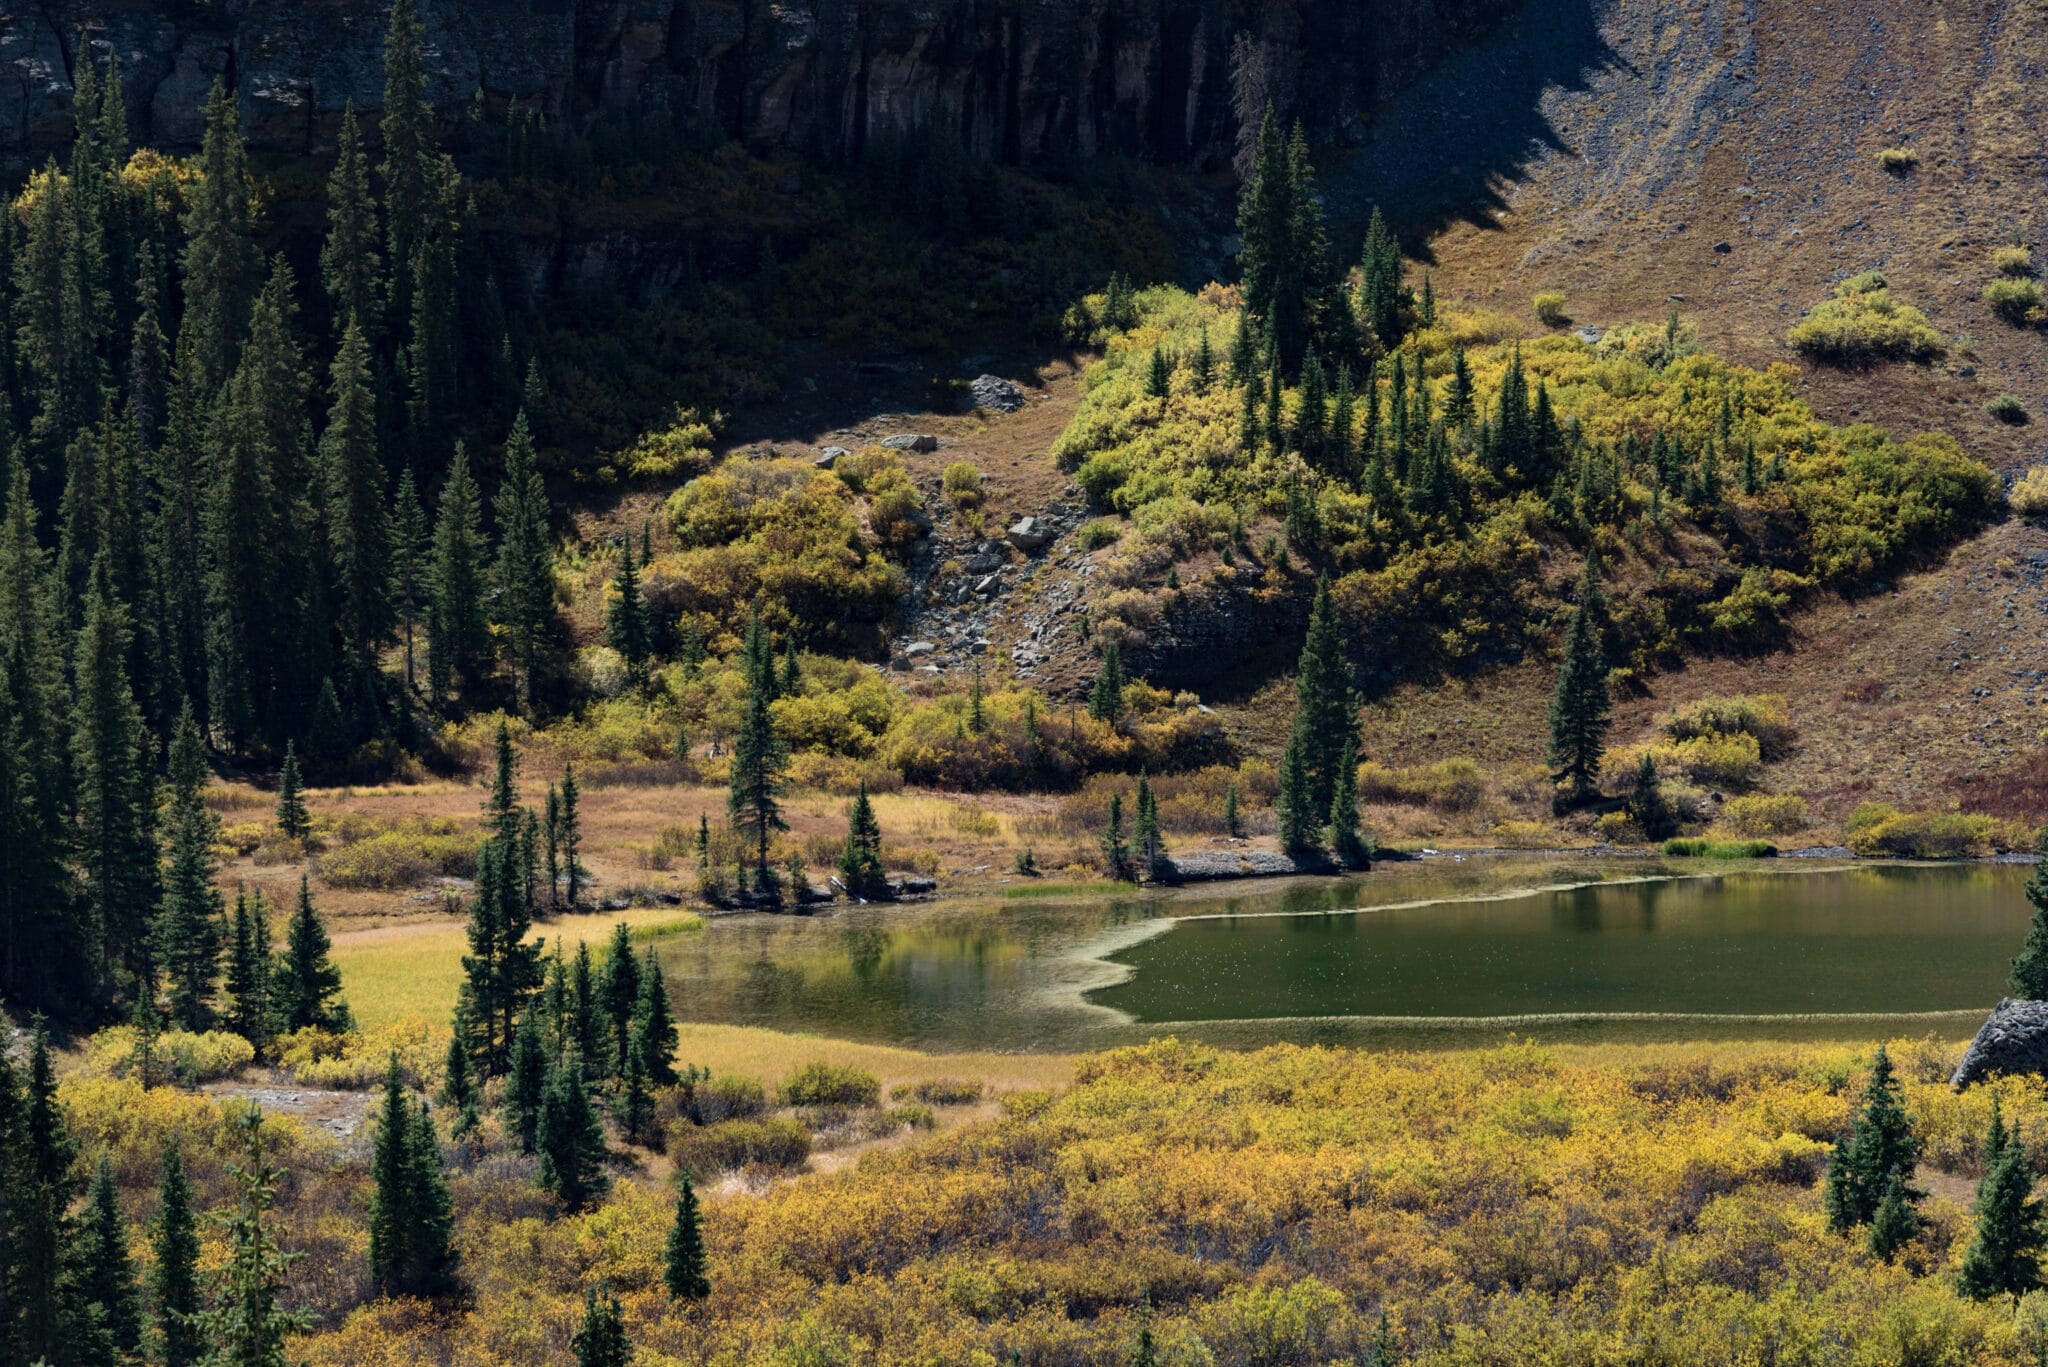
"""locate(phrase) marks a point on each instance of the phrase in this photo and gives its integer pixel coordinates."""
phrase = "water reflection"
(1307, 960)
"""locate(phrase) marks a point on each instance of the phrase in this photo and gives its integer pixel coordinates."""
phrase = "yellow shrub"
(2029, 496)
(2013, 260)
(186, 1057)
(404, 856)
(1877, 828)
(1862, 322)
(1764, 716)
(2018, 301)
(1449, 785)
(1550, 308)
(1765, 814)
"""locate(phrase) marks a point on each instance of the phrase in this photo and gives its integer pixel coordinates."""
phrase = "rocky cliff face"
(1025, 79)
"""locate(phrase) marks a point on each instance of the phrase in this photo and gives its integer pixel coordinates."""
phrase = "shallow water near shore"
(1437, 953)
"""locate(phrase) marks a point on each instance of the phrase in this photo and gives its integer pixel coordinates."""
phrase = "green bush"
(1763, 716)
(1863, 323)
(2029, 496)
(941, 1091)
(830, 1084)
(776, 1142)
(1699, 847)
(2019, 302)
(963, 484)
(729, 1096)
(2013, 261)
(1876, 828)
(2007, 409)
(1098, 532)
(1549, 306)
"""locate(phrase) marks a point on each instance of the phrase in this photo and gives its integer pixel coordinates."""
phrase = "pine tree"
(1205, 362)
(1233, 819)
(626, 616)
(110, 754)
(1325, 713)
(569, 838)
(458, 640)
(1116, 848)
(1299, 818)
(2004, 1254)
(1880, 1143)
(620, 995)
(685, 1268)
(221, 263)
(759, 756)
(409, 548)
(1579, 706)
(37, 1195)
(600, 1340)
(860, 860)
(458, 1086)
(249, 970)
(586, 1014)
(634, 1107)
(654, 1028)
(186, 935)
(1461, 409)
(106, 1273)
(410, 1215)
(1346, 844)
(1380, 293)
(351, 269)
(501, 969)
(174, 1267)
(149, 363)
(1894, 1223)
(294, 821)
(245, 1326)
(569, 1140)
(408, 150)
(357, 522)
(526, 1082)
(1159, 379)
(525, 567)
(305, 992)
(1106, 699)
(1149, 843)
(2030, 970)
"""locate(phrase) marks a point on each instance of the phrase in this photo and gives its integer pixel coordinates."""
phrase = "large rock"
(2013, 1039)
(1024, 82)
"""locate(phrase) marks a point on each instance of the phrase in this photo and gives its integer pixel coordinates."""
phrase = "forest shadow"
(1441, 151)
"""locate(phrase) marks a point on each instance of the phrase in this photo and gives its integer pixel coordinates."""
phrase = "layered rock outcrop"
(1026, 80)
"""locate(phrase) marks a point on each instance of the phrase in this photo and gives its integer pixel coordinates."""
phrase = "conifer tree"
(654, 1028)
(174, 1267)
(1295, 804)
(600, 1340)
(1647, 805)
(1380, 293)
(526, 1082)
(634, 1107)
(1148, 842)
(1159, 378)
(1116, 848)
(2030, 970)
(458, 640)
(1346, 844)
(357, 522)
(860, 860)
(106, 1274)
(1460, 407)
(149, 362)
(1205, 362)
(685, 1268)
(525, 568)
(306, 989)
(1579, 706)
(1325, 714)
(1106, 699)
(187, 932)
(409, 549)
(410, 1216)
(249, 969)
(1880, 1143)
(569, 1140)
(245, 1326)
(408, 149)
(586, 1014)
(221, 263)
(351, 269)
(110, 753)
(501, 969)
(2004, 1253)
(1894, 1223)
(1233, 819)
(759, 756)
(37, 1195)
(569, 838)
(626, 616)
(620, 995)
(55, 312)
(294, 821)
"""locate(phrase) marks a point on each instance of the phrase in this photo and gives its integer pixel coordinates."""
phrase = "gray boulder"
(829, 457)
(996, 394)
(912, 441)
(1028, 534)
(2013, 1039)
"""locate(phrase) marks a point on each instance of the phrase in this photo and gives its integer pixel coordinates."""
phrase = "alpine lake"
(1438, 952)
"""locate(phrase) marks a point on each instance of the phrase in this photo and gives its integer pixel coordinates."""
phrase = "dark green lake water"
(1437, 952)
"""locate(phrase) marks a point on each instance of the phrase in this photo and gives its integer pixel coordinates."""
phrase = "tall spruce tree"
(1347, 844)
(2004, 1256)
(106, 1274)
(357, 524)
(351, 268)
(1379, 295)
(459, 640)
(222, 268)
(1106, 698)
(246, 1324)
(174, 1268)
(294, 822)
(305, 991)
(620, 995)
(1325, 712)
(1880, 1144)
(249, 969)
(860, 859)
(501, 969)
(1579, 706)
(408, 150)
(759, 756)
(1115, 844)
(570, 1140)
(410, 1215)
(1300, 819)
(525, 568)
(569, 838)
(409, 549)
(189, 922)
(626, 629)
(654, 1027)
(685, 1268)
(526, 1082)
(110, 756)
(39, 1193)
(1148, 842)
